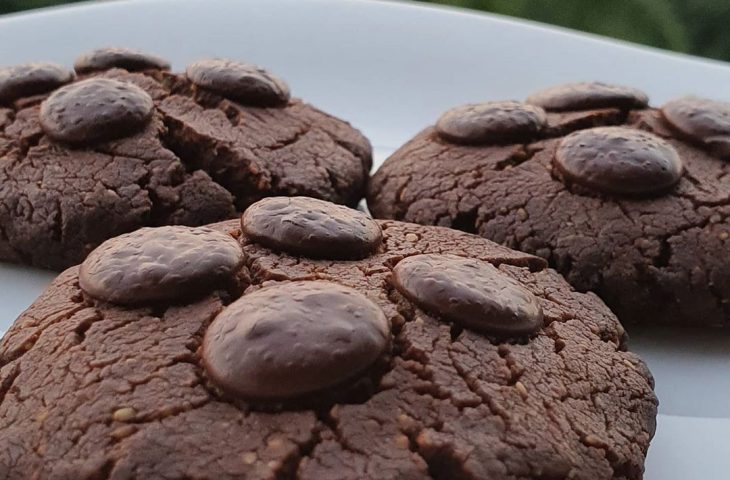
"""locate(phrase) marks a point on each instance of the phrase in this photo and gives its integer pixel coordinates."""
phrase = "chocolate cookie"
(130, 145)
(625, 200)
(302, 368)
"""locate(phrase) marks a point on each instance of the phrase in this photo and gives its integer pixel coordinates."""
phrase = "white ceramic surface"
(391, 68)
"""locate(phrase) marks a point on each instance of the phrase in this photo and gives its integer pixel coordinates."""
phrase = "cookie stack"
(233, 316)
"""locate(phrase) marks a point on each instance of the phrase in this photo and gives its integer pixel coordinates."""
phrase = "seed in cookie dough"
(243, 82)
(618, 160)
(160, 264)
(31, 79)
(292, 339)
(124, 414)
(115, 57)
(311, 227)
(491, 123)
(469, 292)
(588, 96)
(702, 121)
(94, 110)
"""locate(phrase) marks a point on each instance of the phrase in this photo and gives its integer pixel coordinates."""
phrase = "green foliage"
(692, 26)
(7, 6)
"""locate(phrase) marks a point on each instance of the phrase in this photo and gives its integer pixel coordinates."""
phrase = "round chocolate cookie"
(627, 201)
(130, 145)
(211, 385)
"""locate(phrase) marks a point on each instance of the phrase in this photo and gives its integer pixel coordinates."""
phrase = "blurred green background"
(699, 27)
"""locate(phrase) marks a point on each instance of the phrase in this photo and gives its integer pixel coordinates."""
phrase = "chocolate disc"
(588, 96)
(243, 82)
(310, 227)
(469, 292)
(292, 339)
(160, 264)
(95, 109)
(31, 79)
(618, 160)
(702, 121)
(112, 57)
(491, 123)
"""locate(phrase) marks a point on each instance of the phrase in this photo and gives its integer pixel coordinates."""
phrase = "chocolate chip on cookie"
(31, 79)
(618, 160)
(160, 264)
(491, 123)
(588, 96)
(95, 109)
(702, 121)
(311, 227)
(292, 339)
(239, 81)
(116, 57)
(469, 292)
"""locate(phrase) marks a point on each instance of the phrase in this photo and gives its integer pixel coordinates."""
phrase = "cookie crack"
(523, 155)
(8, 380)
(17, 353)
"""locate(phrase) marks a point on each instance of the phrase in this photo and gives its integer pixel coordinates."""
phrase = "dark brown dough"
(200, 159)
(93, 390)
(652, 260)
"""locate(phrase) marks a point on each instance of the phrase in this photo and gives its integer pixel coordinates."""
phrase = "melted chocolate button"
(491, 123)
(702, 121)
(245, 83)
(618, 160)
(469, 292)
(160, 264)
(31, 79)
(292, 339)
(95, 109)
(112, 57)
(588, 96)
(310, 227)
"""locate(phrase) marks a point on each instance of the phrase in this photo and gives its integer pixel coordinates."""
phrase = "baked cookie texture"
(628, 201)
(174, 388)
(186, 149)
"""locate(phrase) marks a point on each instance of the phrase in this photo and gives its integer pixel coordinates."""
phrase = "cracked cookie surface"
(199, 159)
(659, 258)
(90, 389)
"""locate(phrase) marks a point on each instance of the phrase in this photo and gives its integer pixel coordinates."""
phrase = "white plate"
(390, 69)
